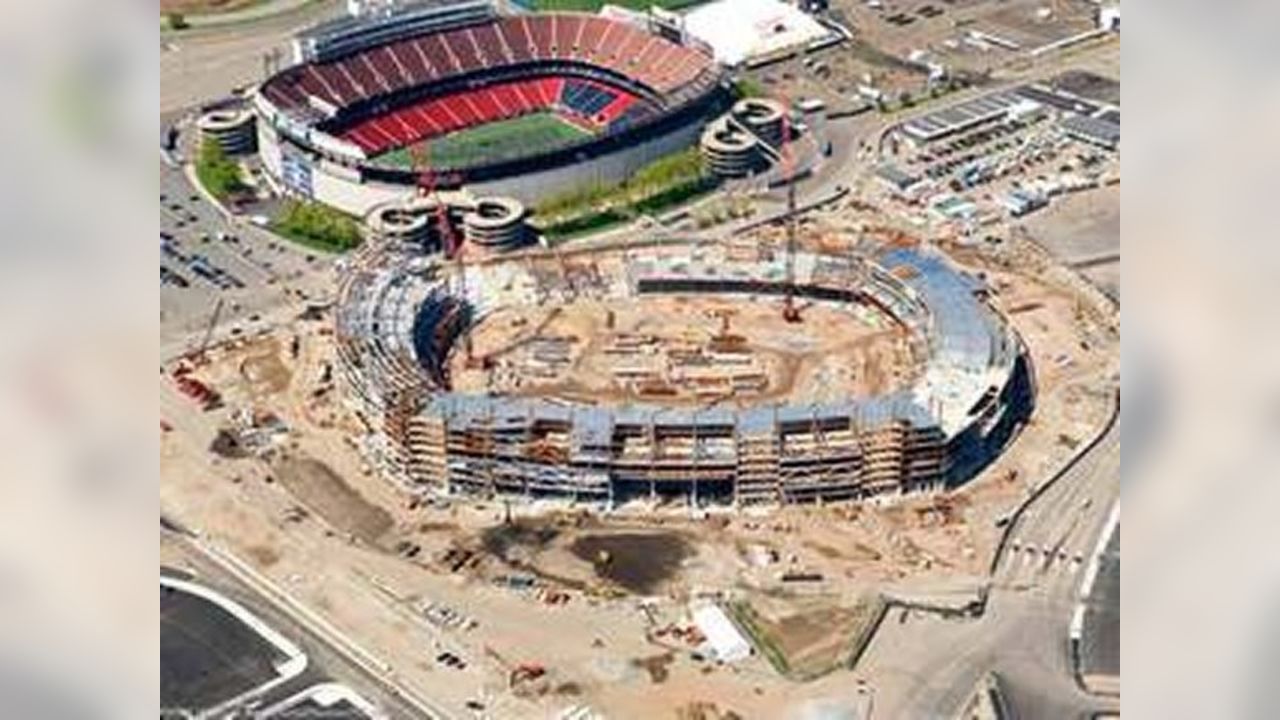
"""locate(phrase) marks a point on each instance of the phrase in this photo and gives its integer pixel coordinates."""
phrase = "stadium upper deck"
(318, 90)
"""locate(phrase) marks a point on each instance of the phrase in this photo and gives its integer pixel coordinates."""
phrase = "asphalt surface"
(926, 667)
(260, 277)
(207, 656)
(1100, 641)
(325, 662)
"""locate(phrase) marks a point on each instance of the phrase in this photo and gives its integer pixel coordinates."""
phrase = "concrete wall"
(329, 183)
(332, 185)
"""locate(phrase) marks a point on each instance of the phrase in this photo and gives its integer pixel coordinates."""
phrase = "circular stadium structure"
(520, 105)
(690, 413)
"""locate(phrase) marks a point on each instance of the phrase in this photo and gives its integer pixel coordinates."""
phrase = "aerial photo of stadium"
(512, 105)
(696, 359)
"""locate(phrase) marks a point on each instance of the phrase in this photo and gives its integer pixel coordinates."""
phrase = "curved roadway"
(926, 667)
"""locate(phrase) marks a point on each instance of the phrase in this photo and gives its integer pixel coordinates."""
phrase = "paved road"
(926, 666)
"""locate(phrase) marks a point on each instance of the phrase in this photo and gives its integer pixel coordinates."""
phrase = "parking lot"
(206, 256)
(207, 656)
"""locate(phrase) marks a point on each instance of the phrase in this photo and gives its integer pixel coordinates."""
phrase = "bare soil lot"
(325, 492)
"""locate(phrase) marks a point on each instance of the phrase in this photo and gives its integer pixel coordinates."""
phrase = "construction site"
(616, 375)
(685, 351)
(288, 459)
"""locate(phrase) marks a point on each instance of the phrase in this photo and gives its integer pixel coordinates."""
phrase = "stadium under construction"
(707, 423)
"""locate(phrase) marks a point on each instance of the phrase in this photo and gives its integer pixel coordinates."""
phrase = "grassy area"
(749, 621)
(317, 226)
(218, 173)
(747, 87)
(807, 643)
(663, 184)
(496, 140)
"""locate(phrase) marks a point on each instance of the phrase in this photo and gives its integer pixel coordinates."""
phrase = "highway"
(925, 666)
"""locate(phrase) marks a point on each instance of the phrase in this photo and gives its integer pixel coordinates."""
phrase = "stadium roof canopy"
(739, 30)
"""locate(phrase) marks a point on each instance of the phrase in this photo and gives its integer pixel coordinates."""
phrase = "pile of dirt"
(525, 535)
(323, 491)
(638, 562)
(656, 666)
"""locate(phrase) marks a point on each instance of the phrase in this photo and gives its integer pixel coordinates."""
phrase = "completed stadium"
(519, 106)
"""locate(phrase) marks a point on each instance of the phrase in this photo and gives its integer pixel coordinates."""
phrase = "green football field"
(493, 141)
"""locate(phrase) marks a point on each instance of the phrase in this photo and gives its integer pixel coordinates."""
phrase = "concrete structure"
(746, 139)
(966, 115)
(729, 151)
(1092, 130)
(411, 225)
(763, 117)
(896, 179)
(232, 130)
(399, 319)
(495, 222)
(363, 88)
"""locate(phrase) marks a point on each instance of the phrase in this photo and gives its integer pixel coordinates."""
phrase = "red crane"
(451, 243)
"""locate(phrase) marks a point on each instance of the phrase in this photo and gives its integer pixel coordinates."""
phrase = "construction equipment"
(790, 312)
(450, 241)
(517, 673)
(197, 356)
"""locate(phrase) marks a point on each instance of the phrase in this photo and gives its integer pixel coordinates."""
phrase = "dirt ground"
(198, 7)
(576, 591)
(810, 635)
(323, 491)
(687, 350)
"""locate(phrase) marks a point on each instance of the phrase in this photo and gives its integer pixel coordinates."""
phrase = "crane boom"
(451, 244)
(208, 331)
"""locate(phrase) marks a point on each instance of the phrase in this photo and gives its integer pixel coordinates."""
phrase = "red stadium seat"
(539, 27)
(461, 46)
(386, 70)
(517, 36)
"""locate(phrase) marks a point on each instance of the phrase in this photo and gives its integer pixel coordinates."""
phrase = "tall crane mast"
(451, 243)
(790, 312)
(197, 355)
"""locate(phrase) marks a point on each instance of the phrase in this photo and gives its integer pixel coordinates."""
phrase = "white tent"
(738, 30)
(722, 635)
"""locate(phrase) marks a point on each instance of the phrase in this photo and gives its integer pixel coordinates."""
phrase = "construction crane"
(197, 355)
(790, 312)
(451, 243)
